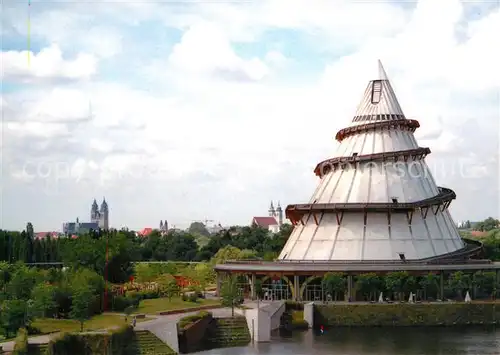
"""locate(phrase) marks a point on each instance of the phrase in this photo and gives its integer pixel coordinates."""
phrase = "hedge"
(185, 322)
(407, 314)
(121, 341)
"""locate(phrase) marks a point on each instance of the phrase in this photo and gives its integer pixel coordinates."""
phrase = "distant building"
(100, 216)
(163, 227)
(43, 235)
(144, 232)
(268, 223)
(99, 219)
(273, 222)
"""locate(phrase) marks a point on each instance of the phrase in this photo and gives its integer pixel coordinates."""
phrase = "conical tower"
(376, 199)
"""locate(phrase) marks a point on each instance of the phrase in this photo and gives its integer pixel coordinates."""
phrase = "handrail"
(444, 197)
(326, 166)
(412, 125)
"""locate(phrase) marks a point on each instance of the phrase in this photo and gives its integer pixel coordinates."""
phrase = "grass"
(163, 304)
(102, 321)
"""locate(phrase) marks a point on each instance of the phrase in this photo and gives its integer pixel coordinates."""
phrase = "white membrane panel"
(374, 236)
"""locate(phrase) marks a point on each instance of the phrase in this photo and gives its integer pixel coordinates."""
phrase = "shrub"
(120, 341)
(120, 303)
(294, 306)
(149, 294)
(21, 342)
(185, 322)
(193, 297)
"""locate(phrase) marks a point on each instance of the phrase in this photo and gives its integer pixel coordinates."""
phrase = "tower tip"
(382, 75)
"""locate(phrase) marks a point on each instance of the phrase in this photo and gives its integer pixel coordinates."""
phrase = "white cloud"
(205, 50)
(47, 64)
(217, 125)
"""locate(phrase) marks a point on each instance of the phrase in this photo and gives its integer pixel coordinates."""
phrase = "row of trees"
(89, 250)
(76, 292)
(29, 293)
(398, 285)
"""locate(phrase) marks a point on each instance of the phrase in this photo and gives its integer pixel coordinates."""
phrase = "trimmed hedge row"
(191, 309)
(121, 341)
(407, 314)
(185, 322)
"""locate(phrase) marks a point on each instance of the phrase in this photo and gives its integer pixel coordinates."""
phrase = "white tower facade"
(376, 200)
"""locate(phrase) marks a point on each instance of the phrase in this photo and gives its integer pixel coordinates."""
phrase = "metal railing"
(349, 131)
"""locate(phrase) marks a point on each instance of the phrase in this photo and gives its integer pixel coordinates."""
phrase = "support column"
(348, 294)
(296, 288)
(219, 283)
(441, 285)
(253, 291)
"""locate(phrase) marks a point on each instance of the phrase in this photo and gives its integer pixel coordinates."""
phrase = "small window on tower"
(376, 91)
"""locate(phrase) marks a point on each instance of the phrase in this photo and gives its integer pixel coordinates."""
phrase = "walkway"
(157, 325)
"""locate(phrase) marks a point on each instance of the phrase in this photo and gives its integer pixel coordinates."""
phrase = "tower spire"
(364, 234)
(382, 75)
(379, 102)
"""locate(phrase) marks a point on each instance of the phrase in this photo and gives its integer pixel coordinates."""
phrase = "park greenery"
(398, 286)
(32, 296)
(76, 292)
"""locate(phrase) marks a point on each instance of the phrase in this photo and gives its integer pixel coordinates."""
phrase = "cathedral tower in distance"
(100, 215)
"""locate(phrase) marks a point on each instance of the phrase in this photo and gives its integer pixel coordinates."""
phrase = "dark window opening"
(376, 91)
(394, 200)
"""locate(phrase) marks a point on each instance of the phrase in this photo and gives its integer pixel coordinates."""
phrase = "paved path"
(156, 325)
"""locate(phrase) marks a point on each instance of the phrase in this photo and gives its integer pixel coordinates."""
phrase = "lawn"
(163, 304)
(102, 321)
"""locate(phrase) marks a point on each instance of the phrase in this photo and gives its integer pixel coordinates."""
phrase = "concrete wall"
(309, 313)
(275, 311)
(261, 321)
(167, 332)
(191, 339)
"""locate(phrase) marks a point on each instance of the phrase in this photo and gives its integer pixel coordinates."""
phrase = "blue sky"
(212, 109)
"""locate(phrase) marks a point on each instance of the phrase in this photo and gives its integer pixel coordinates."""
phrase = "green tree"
(369, 284)
(230, 293)
(459, 282)
(198, 228)
(226, 253)
(204, 275)
(334, 283)
(167, 286)
(486, 283)
(395, 282)
(429, 284)
(22, 281)
(44, 303)
(13, 315)
(145, 273)
(81, 305)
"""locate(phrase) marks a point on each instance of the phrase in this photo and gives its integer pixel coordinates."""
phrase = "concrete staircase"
(149, 344)
(230, 332)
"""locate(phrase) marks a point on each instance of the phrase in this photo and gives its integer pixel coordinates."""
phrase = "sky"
(194, 110)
